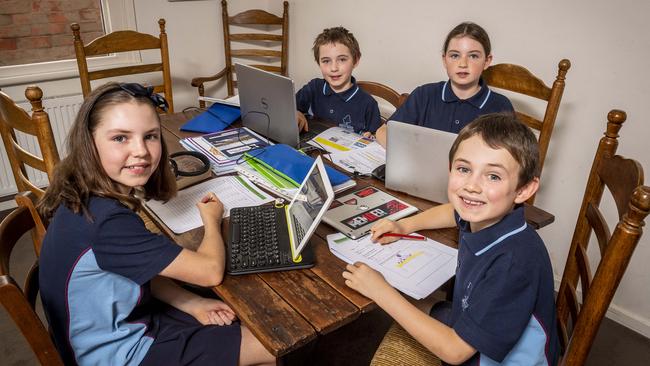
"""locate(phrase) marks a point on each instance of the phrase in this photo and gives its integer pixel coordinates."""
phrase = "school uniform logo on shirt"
(346, 122)
(465, 299)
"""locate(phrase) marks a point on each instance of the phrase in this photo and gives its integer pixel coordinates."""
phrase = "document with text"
(180, 214)
(416, 268)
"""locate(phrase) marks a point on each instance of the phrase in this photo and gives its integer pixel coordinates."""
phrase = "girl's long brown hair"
(81, 175)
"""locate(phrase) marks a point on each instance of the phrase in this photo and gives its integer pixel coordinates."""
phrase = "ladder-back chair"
(124, 41)
(20, 302)
(13, 119)
(519, 80)
(258, 46)
(579, 320)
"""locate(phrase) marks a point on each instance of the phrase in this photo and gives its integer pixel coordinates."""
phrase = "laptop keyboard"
(254, 240)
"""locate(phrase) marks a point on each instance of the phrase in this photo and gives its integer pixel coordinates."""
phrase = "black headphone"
(183, 173)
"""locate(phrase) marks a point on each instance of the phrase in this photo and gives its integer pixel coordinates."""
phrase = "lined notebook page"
(180, 214)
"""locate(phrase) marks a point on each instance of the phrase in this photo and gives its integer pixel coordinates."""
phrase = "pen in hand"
(402, 236)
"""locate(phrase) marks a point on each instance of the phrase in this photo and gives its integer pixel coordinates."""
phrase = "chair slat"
(255, 53)
(255, 37)
(584, 269)
(529, 121)
(125, 70)
(518, 79)
(255, 16)
(600, 227)
(121, 41)
(620, 176)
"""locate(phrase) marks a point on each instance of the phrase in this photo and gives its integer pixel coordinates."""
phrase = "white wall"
(607, 42)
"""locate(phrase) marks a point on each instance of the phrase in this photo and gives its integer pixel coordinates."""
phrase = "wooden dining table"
(292, 310)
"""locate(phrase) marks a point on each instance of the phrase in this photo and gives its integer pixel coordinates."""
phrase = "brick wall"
(39, 30)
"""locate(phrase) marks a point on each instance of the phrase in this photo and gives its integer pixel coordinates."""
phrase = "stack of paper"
(416, 268)
(336, 139)
(350, 151)
(362, 161)
(224, 148)
(180, 214)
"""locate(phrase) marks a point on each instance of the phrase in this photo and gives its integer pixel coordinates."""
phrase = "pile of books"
(225, 148)
(280, 168)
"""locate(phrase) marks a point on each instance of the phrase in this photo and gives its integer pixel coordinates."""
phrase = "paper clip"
(279, 202)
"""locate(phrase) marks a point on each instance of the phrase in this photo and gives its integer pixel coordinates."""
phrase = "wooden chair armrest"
(197, 82)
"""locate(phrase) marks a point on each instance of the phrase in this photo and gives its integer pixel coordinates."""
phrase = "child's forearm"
(212, 244)
(169, 292)
(437, 217)
(437, 337)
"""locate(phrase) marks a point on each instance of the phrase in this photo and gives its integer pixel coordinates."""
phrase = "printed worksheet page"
(180, 214)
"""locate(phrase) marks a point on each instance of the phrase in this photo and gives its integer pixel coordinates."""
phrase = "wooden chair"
(20, 303)
(519, 80)
(259, 46)
(384, 92)
(578, 322)
(124, 41)
(12, 119)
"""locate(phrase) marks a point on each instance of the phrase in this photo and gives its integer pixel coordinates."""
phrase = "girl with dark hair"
(106, 281)
(450, 105)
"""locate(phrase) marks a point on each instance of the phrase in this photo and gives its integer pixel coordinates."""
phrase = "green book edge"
(276, 178)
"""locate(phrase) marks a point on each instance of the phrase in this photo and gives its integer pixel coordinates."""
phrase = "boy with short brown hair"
(503, 308)
(336, 97)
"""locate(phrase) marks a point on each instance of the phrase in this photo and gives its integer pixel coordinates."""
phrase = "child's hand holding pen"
(386, 231)
(210, 208)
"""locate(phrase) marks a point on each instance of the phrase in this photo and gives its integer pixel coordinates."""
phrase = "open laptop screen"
(268, 104)
(308, 206)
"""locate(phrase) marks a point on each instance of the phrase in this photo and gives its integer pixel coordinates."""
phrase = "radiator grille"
(62, 111)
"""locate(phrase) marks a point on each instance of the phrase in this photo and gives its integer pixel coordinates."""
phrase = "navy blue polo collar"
(346, 95)
(482, 241)
(478, 100)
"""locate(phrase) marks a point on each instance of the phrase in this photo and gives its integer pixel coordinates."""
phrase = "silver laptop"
(268, 104)
(417, 160)
(267, 238)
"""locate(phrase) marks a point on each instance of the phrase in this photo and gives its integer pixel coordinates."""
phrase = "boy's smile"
(483, 183)
(128, 143)
(336, 64)
(465, 61)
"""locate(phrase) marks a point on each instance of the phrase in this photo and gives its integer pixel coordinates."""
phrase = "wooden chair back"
(258, 46)
(12, 119)
(579, 320)
(519, 80)
(124, 41)
(384, 92)
(20, 303)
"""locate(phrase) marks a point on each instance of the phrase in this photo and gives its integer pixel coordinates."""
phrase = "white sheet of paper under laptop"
(416, 268)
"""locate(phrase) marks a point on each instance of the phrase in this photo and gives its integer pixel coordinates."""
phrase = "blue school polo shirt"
(436, 106)
(94, 281)
(353, 109)
(503, 302)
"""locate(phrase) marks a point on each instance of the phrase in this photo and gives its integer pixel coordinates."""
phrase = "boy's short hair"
(337, 35)
(505, 131)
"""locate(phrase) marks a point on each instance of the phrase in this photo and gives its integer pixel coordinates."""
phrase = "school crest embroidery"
(347, 122)
(465, 299)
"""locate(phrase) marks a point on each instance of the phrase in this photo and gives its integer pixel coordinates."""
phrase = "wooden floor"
(352, 345)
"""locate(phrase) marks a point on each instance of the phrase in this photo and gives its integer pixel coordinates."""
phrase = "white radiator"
(62, 111)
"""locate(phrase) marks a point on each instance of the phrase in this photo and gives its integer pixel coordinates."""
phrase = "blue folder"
(292, 164)
(214, 119)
